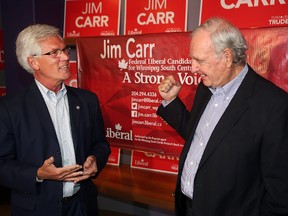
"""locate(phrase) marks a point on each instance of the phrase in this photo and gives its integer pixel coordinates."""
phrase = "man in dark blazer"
(49, 161)
(235, 158)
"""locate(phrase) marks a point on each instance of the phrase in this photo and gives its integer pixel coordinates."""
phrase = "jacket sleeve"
(176, 115)
(102, 148)
(14, 173)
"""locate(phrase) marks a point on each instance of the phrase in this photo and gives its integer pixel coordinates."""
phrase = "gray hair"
(28, 42)
(224, 35)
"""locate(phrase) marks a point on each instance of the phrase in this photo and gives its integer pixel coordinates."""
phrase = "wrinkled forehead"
(52, 42)
(201, 43)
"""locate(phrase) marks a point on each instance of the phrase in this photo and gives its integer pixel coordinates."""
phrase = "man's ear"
(228, 55)
(33, 62)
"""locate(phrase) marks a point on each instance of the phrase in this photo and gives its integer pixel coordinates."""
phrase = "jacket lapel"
(41, 110)
(234, 111)
(74, 110)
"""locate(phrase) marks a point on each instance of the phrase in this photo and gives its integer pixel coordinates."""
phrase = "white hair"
(28, 42)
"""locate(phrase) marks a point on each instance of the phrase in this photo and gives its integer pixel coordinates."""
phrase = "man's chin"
(207, 83)
(66, 76)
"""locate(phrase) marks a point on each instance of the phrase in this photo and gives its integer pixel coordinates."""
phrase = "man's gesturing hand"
(49, 171)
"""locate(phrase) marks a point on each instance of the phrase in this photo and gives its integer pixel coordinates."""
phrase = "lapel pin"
(77, 107)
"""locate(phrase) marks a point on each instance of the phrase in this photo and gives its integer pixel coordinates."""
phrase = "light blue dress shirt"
(218, 103)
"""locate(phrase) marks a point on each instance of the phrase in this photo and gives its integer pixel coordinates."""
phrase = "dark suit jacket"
(27, 138)
(244, 168)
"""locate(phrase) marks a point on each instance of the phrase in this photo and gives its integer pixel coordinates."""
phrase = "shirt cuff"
(165, 103)
(38, 180)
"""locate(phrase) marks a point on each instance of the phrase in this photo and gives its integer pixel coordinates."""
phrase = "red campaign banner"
(1, 50)
(114, 158)
(125, 72)
(155, 162)
(154, 16)
(84, 18)
(2, 91)
(268, 53)
(248, 13)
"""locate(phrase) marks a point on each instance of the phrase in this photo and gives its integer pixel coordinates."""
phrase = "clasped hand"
(72, 173)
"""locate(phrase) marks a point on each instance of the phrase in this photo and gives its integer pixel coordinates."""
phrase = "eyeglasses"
(57, 52)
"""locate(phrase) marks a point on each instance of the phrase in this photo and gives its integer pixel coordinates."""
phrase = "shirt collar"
(231, 87)
(49, 93)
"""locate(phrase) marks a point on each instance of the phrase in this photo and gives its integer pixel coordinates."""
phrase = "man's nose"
(194, 66)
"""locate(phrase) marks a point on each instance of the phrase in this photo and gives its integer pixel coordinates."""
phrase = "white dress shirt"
(58, 107)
